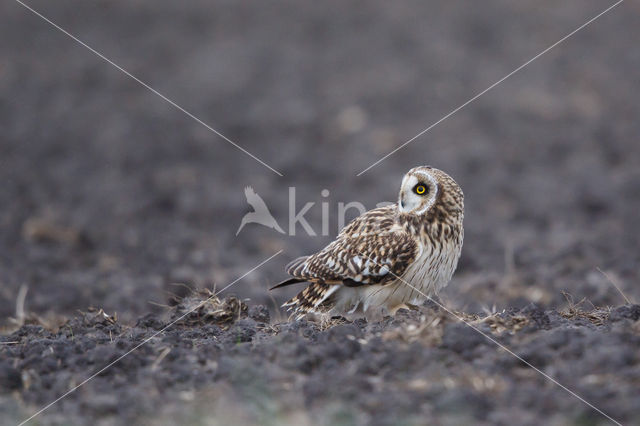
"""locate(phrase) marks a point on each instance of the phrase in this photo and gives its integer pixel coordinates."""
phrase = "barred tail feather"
(311, 298)
(295, 267)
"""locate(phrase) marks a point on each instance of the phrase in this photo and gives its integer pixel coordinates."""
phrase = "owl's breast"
(433, 268)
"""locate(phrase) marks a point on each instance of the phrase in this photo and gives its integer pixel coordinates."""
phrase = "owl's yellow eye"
(420, 189)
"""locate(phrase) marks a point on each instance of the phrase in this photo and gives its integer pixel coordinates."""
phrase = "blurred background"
(110, 195)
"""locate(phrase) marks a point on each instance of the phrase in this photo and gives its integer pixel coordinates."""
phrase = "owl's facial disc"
(418, 191)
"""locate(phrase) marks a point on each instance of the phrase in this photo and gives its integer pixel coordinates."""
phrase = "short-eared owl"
(383, 257)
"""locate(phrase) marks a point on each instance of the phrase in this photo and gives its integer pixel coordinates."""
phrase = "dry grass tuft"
(327, 321)
(204, 307)
(596, 316)
(428, 330)
(505, 324)
(95, 316)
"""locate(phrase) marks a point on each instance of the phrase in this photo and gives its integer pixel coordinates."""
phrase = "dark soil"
(110, 197)
(227, 362)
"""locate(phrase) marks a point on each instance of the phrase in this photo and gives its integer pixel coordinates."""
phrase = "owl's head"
(424, 189)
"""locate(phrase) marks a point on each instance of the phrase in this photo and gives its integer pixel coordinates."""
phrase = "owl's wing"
(370, 250)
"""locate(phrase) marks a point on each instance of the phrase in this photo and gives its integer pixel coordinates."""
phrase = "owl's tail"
(316, 298)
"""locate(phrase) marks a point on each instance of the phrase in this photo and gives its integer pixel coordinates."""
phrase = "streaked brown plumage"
(370, 264)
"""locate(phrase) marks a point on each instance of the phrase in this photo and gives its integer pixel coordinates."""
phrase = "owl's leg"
(374, 315)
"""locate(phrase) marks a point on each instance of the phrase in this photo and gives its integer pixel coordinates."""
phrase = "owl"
(389, 257)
